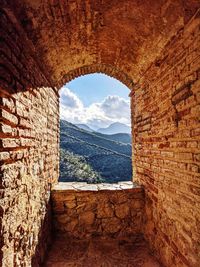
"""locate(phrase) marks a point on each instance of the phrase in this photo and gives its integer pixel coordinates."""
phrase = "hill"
(104, 159)
(75, 168)
(71, 130)
(118, 137)
(115, 128)
(84, 127)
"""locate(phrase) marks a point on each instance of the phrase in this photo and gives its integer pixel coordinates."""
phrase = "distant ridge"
(118, 137)
(115, 128)
(84, 127)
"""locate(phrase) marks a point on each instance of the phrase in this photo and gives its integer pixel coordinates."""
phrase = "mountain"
(119, 137)
(69, 130)
(92, 157)
(84, 127)
(115, 128)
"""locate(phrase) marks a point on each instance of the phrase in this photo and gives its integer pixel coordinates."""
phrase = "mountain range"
(113, 128)
(84, 127)
(93, 157)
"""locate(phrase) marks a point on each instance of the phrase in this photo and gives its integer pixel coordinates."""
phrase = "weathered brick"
(24, 176)
(173, 184)
(164, 108)
(9, 117)
(4, 155)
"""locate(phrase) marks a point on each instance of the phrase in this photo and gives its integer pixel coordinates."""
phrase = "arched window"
(95, 130)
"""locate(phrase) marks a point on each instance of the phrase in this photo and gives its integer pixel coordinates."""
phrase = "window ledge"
(83, 186)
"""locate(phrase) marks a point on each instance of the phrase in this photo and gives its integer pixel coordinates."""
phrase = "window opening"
(95, 130)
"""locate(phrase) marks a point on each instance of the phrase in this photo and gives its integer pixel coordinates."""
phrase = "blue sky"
(95, 87)
(96, 100)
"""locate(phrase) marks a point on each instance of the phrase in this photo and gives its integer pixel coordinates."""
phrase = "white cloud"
(69, 99)
(97, 115)
(116, 107)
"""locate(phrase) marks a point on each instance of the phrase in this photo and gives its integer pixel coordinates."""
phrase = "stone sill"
(83, 186)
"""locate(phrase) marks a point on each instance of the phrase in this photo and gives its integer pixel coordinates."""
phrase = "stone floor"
(99, 252)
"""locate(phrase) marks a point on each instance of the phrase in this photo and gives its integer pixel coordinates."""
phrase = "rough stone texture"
(81, 210)
(28, 149)
(153, 43)
(122, 36)
(98, 251)
(166, 130)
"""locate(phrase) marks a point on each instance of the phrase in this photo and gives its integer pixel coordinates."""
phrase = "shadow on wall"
(29, 148)
(44, 239)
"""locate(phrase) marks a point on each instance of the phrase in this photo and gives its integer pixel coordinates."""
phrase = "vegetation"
(119, 137)
(75, 168)
(92, 157)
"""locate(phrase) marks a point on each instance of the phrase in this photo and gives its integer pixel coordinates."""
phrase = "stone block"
(122, 210)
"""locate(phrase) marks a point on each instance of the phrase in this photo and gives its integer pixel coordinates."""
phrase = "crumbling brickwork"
(166, 114)
(28, 151)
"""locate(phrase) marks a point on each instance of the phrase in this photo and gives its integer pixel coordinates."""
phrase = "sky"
(96, 100)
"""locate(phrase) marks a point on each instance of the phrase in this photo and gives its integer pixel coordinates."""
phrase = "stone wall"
(29, 148)
(165, 114)
(82, 211)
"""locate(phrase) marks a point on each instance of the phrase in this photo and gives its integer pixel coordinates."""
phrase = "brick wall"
(165, 114)
(28, 148)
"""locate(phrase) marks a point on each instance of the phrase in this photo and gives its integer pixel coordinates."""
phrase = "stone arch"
(119, 76)
(107, 69)
(44, 44)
